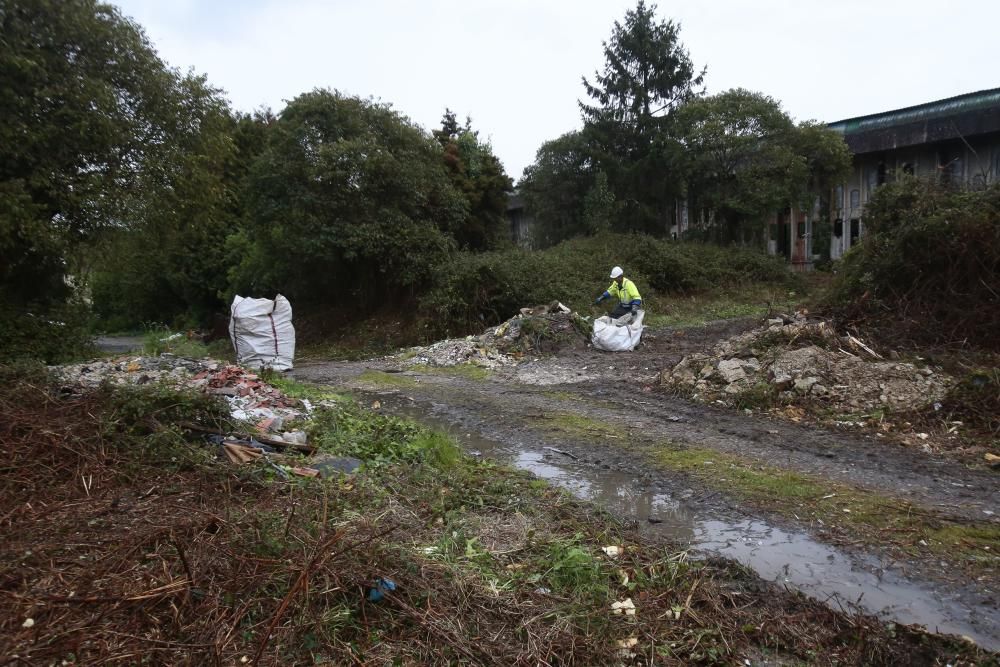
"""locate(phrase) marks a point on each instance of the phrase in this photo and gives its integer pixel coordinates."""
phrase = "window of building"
(855, 198)
(838, 197)
(838, 227)
(908, 168)
(801, 229)
(855, 230)
(871, 181)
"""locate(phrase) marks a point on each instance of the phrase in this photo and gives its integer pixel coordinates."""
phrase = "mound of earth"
(793, 360)
(541, 330)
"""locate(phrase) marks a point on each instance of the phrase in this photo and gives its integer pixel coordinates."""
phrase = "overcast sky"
(514, 66)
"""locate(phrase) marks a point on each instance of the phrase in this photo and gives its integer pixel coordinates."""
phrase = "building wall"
(973, 162)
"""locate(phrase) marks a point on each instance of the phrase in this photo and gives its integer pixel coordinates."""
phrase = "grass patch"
(879, 519)
(467, 371)
(699, 308)
(581, 426)
(383, 379)
(298, 389)
(979, 544)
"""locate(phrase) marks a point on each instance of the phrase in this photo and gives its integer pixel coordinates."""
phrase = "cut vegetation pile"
(125, 541)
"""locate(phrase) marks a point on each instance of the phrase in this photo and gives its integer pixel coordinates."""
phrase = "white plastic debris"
(612, 551)
(28, 623)
(626, 607)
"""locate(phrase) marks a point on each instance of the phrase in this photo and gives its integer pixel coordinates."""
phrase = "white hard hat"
(617, 271)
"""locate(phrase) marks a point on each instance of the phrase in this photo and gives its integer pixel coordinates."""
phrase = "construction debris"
(538, 330)
(270, 414)
(250, 399)
(793, 359)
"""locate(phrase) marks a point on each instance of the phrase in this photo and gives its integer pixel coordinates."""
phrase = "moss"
(876, 518)
(382, 379)
(467, 371)
(581, 426)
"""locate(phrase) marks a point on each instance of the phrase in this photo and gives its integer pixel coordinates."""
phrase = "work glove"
(597, 302)
(635, 308)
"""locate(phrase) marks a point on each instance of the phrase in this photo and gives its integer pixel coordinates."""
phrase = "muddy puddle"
(792, 559)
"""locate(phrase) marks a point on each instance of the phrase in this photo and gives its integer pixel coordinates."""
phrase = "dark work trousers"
(620, 309)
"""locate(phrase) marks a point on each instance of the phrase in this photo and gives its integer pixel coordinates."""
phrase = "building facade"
(954, 141)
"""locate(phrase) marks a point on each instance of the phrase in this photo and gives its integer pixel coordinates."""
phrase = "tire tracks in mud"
(624, 406)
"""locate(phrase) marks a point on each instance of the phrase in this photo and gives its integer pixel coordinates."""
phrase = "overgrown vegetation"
(49, 333)
(123, 549)
(162, 207)
(928, 270)
(474, 290)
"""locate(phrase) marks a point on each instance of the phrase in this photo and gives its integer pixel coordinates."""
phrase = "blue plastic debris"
(382, 586)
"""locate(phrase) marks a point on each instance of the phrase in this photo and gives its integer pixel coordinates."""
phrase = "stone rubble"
(803, 360)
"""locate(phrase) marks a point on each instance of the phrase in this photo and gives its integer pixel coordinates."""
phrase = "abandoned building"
(520, 221)
(955, 140)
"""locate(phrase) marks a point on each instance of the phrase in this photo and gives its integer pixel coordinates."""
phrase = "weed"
(297, 389)
(160, 340)
(573, 569)
(761, 396)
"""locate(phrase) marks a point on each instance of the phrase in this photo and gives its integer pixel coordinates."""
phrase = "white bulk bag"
(615, 335)
(262, 332)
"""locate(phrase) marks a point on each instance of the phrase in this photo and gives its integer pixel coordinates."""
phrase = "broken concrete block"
(803, 385)
(731, 370)
(781, 380)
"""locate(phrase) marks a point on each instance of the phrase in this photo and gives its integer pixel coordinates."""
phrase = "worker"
(625, 291)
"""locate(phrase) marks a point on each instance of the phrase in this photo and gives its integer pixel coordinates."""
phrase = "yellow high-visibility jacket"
(627, 294)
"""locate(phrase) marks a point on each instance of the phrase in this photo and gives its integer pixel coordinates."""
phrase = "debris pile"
(458, 351)
(250, 399)
(540, 330)
(795, 360)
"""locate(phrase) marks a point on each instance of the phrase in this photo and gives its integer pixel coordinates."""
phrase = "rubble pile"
(541, 329)
(250, 399)
(454, 352)
(801, 360)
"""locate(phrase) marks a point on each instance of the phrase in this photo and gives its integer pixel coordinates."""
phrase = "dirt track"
(617, 404)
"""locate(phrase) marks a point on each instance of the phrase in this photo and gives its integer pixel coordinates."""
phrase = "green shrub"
(476, 290)
(929, 266)
(53, 335)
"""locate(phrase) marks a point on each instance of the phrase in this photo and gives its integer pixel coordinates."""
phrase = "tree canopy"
(348, 202)
(82, 97)
(647, 75)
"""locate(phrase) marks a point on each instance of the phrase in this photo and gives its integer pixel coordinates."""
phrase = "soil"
(615, 400)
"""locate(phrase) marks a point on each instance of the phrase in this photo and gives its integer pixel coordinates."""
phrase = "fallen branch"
(323, 554)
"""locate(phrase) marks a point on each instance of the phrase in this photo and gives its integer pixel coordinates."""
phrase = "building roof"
(982, 99)
(957, 117)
